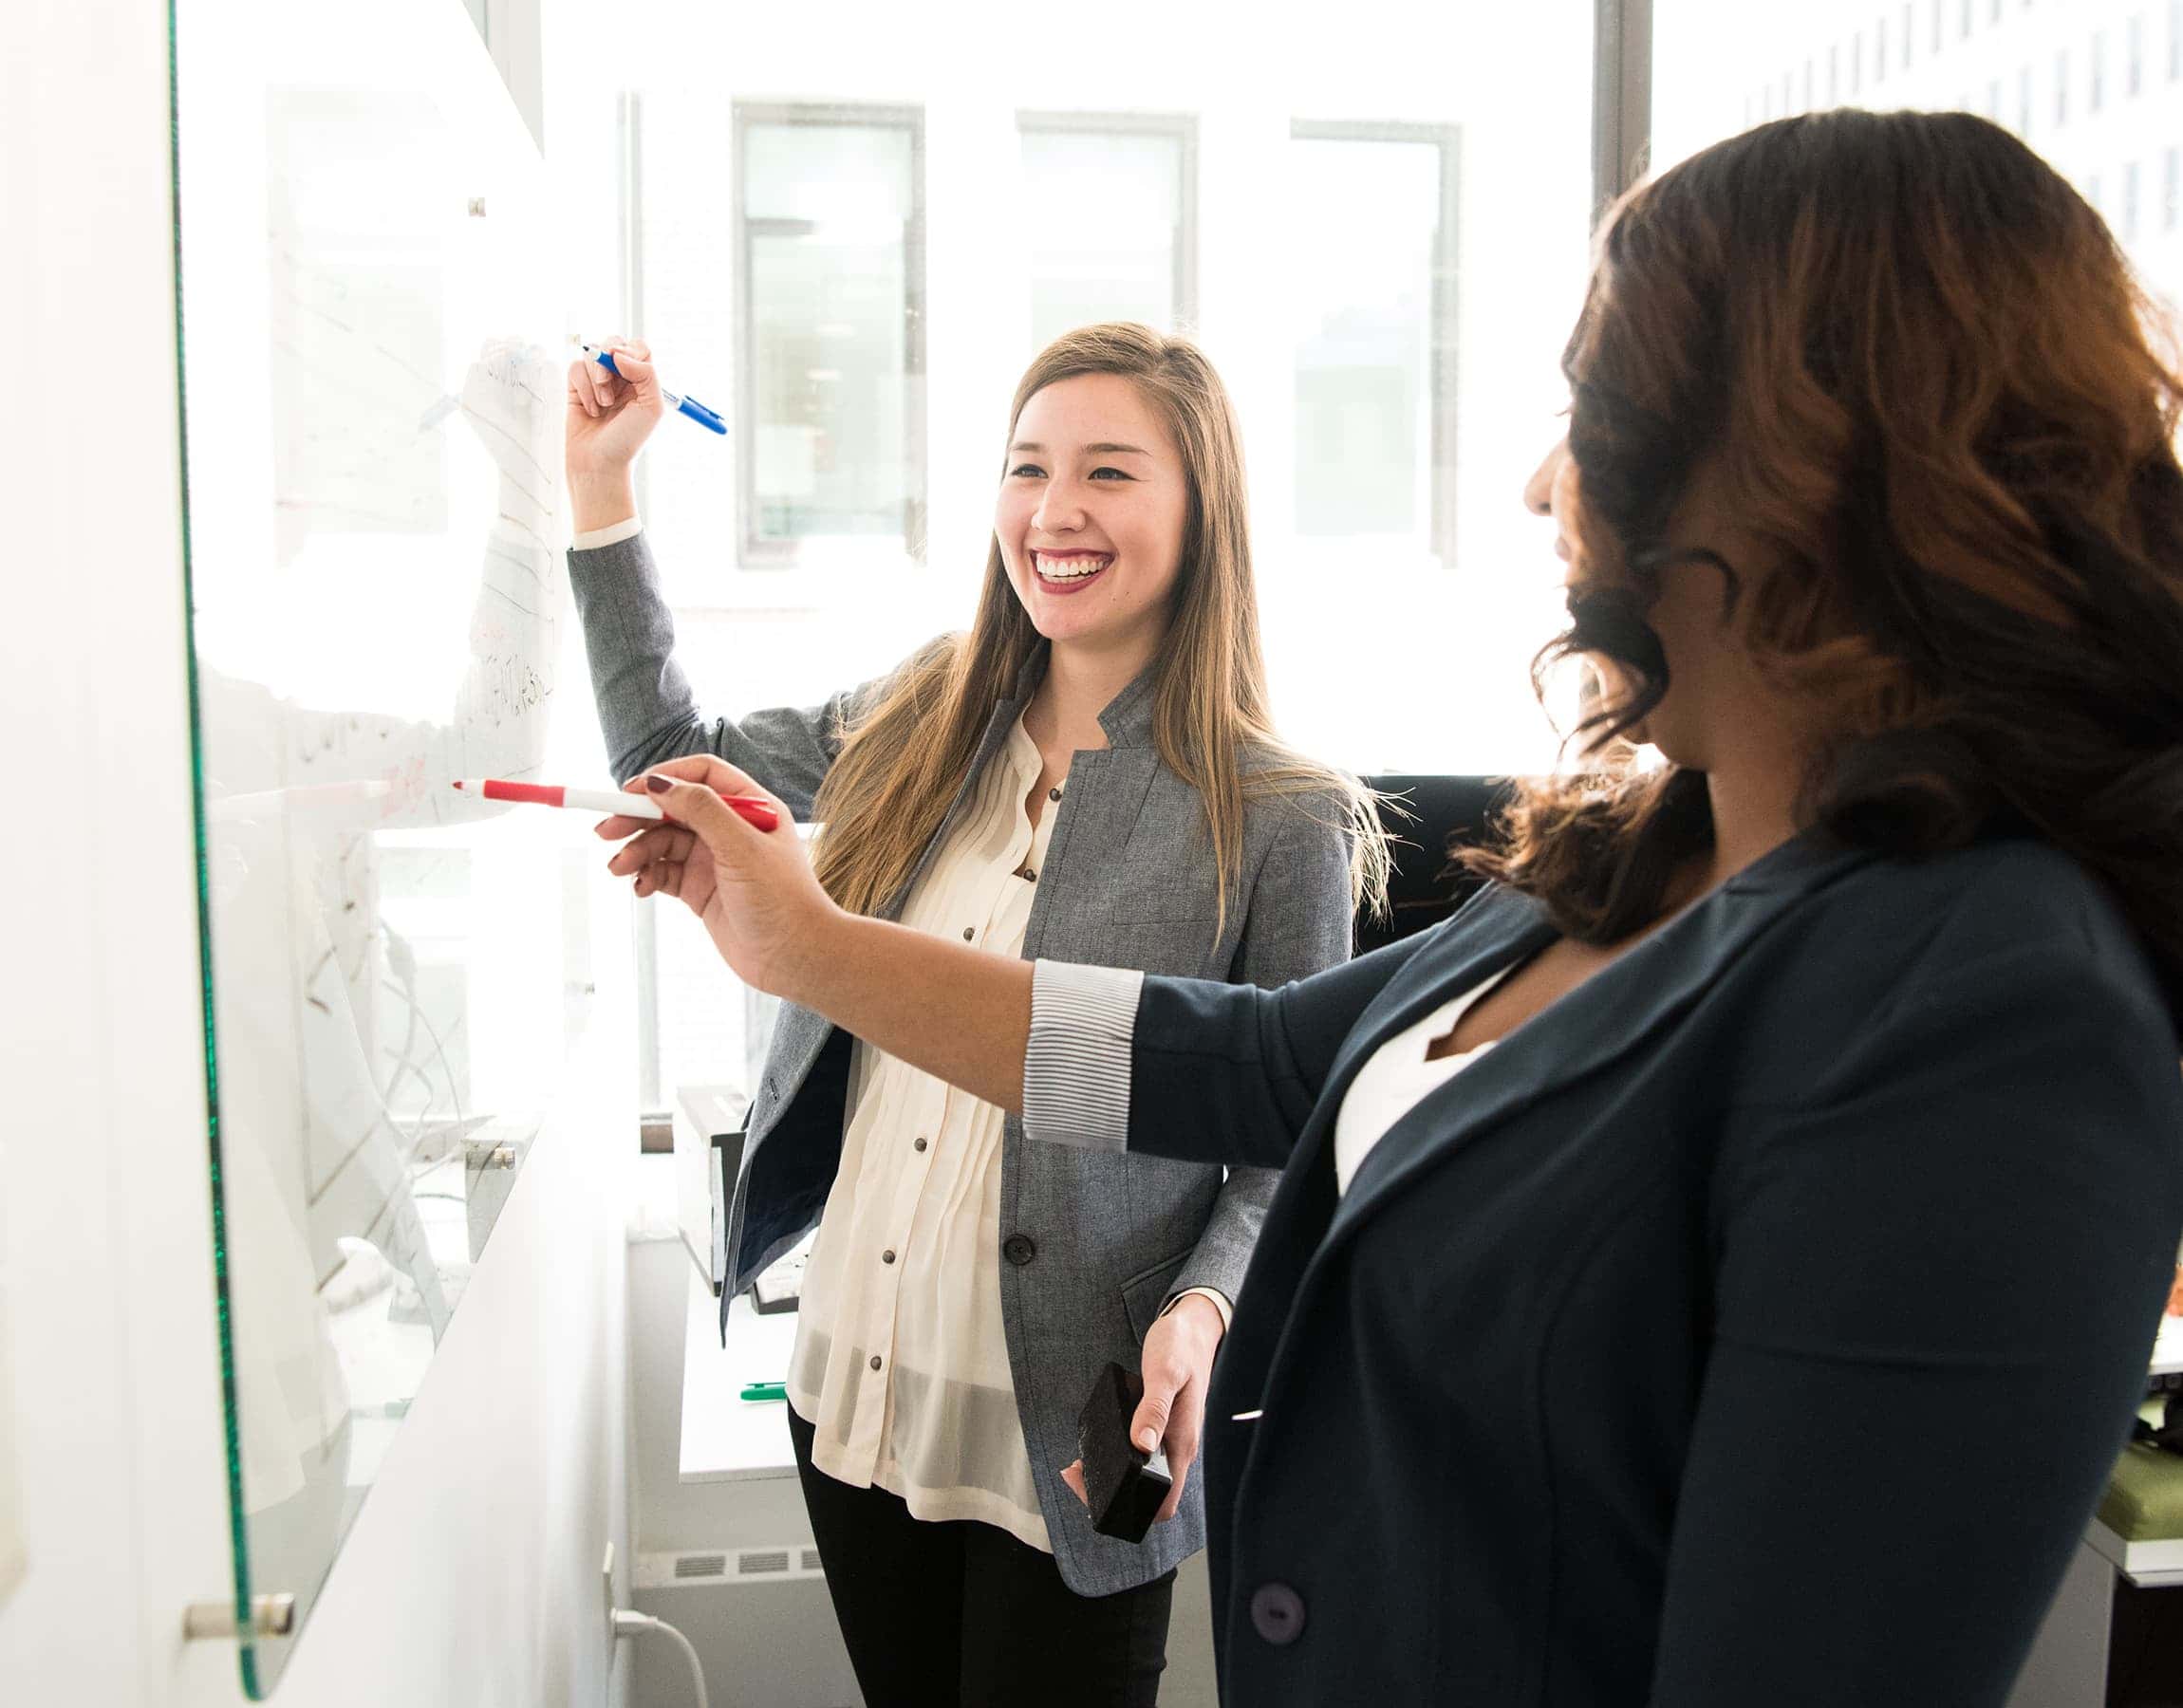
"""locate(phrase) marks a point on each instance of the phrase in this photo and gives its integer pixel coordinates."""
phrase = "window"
(1964, 29)
(1111, 220)
(1936, 15)
(1993, 101)
(2099, 95)
(2137, 187)
(1906, 35)
(1834, 74)
(1880, 50)
(1807, 86)
(1856, 63)
(830, 276)
(1375, 329)
(1403, 646)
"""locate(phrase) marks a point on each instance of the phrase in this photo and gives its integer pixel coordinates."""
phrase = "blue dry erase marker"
(689, 406)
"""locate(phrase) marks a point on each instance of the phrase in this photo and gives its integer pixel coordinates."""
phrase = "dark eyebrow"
(1089, 450)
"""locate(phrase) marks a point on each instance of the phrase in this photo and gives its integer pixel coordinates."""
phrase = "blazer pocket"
(1145, 1293)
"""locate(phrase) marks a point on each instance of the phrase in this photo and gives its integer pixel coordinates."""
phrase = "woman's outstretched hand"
(961, 1014)
(754, 889)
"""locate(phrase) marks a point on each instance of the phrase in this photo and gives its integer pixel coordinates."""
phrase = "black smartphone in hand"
(1123, 1484)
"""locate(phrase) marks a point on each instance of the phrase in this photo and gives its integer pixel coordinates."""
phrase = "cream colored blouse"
(901, 1364)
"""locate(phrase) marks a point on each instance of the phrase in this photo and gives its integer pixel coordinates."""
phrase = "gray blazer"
(1093, 1245)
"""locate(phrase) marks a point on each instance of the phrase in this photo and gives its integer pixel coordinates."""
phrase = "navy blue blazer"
(1756, 1324)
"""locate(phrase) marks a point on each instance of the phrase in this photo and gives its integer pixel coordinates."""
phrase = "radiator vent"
(788, 1563)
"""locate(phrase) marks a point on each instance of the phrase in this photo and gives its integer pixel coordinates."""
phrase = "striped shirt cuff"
(1076, 1073)
(628, 527)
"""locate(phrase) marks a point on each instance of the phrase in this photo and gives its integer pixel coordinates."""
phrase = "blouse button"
(1052, 794)
(1028, 875)
(886, 1256)
(875, 1361)
(919, 1145)
(969, 932)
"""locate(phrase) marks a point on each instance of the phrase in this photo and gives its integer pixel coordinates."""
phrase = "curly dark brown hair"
(1922, 373)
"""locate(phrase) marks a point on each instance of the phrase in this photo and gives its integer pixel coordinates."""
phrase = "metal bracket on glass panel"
(271, 1616)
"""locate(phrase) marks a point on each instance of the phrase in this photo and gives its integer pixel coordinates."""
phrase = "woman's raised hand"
(754, 889)
(609, 419)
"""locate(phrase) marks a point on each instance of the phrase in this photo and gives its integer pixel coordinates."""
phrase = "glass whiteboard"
(396, 976)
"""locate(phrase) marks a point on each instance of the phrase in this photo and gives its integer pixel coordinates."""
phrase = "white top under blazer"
(1397, 1079)
(901, 1363)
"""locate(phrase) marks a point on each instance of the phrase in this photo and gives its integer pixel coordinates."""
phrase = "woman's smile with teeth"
(1070, 566)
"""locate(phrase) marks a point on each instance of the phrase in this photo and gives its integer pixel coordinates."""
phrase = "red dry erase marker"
(753, 811)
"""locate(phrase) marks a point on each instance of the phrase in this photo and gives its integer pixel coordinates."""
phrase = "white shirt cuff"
(612, 534)
(1220, 1300)
(1076, 1072)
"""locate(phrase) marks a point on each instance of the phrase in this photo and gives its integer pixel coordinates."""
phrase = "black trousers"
(963, 1615)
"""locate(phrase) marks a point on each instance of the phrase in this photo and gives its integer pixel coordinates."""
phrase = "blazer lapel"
(1613, 1012)
(997, 728)
(1497, 929)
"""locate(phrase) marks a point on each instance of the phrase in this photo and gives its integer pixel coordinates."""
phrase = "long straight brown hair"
(905, 755)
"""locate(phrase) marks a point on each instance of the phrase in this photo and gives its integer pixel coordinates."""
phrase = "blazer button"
(1018, 1250)
(1277, 1614)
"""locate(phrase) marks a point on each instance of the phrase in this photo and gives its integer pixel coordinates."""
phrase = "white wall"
(471, 1577)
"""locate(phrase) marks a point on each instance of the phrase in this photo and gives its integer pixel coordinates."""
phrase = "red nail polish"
(657, 784)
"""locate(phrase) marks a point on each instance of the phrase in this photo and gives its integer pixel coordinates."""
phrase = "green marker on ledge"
(765, 1391)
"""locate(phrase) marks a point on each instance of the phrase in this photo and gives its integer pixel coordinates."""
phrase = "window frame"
(1182, 288)
(751, 551)
(1443, 316)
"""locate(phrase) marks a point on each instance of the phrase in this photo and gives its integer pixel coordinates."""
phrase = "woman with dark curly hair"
(1716, 1267)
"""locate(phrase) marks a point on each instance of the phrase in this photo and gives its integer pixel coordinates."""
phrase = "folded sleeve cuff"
(612, 534)
(1076, 1072)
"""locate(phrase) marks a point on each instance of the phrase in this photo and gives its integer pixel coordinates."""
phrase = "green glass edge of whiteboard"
(238, 1542)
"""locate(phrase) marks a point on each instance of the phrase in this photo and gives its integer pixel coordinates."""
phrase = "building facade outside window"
(2117, 151)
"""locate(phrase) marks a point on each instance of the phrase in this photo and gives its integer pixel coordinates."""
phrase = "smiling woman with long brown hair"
(1091, 771)
(1718, 1265)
